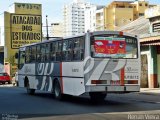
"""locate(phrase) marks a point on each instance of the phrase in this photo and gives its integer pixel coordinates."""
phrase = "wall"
(1, 61)
(123, 16)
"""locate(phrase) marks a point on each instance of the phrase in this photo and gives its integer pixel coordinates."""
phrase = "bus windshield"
(114, 46)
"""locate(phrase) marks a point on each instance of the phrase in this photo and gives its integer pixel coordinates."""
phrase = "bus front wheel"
(57, 91)
(97, 96)
(29, 90)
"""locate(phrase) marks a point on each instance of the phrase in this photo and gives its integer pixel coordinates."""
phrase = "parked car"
(4, 77)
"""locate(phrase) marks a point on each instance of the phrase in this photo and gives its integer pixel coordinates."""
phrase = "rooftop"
(139, 27)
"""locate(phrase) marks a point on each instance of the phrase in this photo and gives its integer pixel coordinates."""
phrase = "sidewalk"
(149, 91)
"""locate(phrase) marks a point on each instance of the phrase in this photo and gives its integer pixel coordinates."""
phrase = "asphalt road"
(15, 103)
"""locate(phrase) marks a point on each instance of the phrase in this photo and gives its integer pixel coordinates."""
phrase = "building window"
(146, 4)
(140, 4)
(141, 14)
(156, 27)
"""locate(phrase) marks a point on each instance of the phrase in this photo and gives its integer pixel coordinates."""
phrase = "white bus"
(97, 63)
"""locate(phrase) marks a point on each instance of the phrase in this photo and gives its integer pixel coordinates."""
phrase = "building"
(148, 29)
(1, 43)
(150, 46)
(90, 19)
(74, 17)
(1, 61)
(119, 13)
(56, 30)
(22, 25)
(94, 18)
(100, 19)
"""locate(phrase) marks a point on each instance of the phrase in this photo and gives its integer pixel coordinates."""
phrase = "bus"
(94, 63)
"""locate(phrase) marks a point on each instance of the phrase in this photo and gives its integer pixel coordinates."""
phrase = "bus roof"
(52, 40)
(92, 33)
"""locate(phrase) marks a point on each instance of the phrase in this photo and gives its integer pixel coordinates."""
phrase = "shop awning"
(150, 39)
(150, 43)
(153, 40)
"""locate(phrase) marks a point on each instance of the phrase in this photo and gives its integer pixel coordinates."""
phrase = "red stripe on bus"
(122, 76)
(61, 80)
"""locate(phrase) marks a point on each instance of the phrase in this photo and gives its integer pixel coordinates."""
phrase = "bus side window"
(67, 51)
(43, 52)
(78, 49)
(70, 50)
(33, 54)
(64, 50)
(47, 52)
(58, 51)
(38, 55)
(76, 54)
(53, 51)
(28, 54)
(82, 47)
(21, 59)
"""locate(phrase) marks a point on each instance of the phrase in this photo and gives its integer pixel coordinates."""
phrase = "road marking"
(6, 85)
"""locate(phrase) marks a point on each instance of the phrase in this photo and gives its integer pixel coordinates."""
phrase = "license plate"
(117, 82)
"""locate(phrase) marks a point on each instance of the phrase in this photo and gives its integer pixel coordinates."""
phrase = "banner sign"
(108, 45)
(25, 29)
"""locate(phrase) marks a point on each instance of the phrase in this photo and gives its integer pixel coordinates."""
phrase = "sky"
(54, 8)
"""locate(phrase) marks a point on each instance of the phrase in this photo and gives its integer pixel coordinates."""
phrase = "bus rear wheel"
(57, 91)
(97, 96)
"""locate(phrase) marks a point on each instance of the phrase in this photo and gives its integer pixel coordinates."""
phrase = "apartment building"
(119, 13)
(56, 29)
(100, 19)
(74, 17)
(94, 18)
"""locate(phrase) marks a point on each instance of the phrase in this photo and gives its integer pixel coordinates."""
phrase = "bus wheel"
(97, 96)
(30, 91)
(57, 91)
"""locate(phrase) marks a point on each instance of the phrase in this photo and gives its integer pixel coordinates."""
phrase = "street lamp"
(47, 27)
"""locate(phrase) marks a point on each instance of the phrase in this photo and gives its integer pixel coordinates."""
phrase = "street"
(17, 104)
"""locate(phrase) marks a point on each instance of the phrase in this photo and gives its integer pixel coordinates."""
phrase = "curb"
(149, 93)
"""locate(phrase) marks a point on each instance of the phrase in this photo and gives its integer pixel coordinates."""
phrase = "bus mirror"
(16, 55)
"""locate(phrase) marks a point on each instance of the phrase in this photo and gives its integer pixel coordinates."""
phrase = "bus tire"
(57, 91)
(97, 96)
(29, 90)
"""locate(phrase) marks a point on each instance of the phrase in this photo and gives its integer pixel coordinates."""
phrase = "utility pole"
(47, 27)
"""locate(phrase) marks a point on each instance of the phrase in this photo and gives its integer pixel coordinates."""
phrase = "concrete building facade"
(57, 29)
(119, 13)
(148, 30)
(100, 19)
(94, 18)
(150, 46)
(90, 19)
(74, 17)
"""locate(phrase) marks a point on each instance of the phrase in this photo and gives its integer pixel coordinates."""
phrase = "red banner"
(110, 46)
